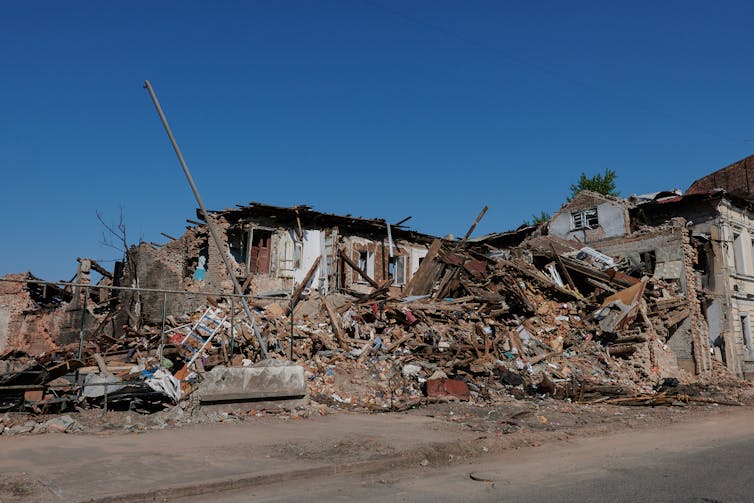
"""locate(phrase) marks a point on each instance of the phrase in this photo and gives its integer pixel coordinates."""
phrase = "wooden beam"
(395, 344)
(335, 320)
(246, 283)
(356, 268)
(428, 272)
(564, 269)
(476, 222)
(103, 370)
(97, 267)
(300, 288)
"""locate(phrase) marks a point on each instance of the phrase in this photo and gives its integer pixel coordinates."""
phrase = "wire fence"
(167, 312)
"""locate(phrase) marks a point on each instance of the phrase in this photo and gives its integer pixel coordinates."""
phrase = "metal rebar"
(206, 216)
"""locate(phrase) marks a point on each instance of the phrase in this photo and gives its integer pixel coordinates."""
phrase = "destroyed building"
(663, 250)
(41, 317)
(590, 217)
(721, 226)
(273, 249)
(702, 240)
(607, 301)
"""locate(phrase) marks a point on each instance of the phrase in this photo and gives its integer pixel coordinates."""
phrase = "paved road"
(688, 465)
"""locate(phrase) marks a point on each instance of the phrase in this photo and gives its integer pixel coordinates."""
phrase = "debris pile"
(473, 323)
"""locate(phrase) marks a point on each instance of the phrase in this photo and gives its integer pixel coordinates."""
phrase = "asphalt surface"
(673, 469)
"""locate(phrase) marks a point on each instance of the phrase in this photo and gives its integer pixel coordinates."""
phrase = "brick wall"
(736, 178)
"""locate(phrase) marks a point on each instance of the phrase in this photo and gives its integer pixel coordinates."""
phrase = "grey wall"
(611, 219)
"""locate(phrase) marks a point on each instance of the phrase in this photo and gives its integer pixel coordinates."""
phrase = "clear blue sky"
(368, 107)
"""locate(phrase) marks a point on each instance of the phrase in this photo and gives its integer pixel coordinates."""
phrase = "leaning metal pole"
(207, 218)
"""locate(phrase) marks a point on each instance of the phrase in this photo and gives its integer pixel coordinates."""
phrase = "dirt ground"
(697, 458)
(108, 451)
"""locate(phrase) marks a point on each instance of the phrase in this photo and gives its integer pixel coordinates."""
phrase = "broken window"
(585, 219)
(238, 244)
(259, 258)
(366, 263)
(397, 270)
(746, 331)
(298, 253)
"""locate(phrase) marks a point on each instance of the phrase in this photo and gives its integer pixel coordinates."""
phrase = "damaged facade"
(42, 317)
(662, 250)
(273, 249)
(721, 227)
(591, 217)
(703, 241)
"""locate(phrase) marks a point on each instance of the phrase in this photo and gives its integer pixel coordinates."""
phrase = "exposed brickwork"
(699, 328)
(671, 242)
(587, 199)
(26, 327)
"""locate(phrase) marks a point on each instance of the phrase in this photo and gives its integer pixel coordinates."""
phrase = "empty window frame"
(746, 331)
(366, 263)
(585, 219)
(397, 270)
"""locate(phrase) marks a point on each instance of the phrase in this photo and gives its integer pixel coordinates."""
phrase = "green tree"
(537, 219)
(601, 183)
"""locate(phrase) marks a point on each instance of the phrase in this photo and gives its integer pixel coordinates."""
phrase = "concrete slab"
(265, 380)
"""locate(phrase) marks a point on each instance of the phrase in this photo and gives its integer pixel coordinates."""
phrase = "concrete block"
(270, 379)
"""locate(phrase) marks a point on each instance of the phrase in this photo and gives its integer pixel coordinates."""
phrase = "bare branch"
(117, 233)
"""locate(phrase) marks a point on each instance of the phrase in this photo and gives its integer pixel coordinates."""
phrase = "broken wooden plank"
(539, 277)
(359, 271)
(473, 226)
(600, 285)
(103, 370)
(622, 349)
(246, 283)
(98, 268)
(297, 293)
(335, 321)
(610, 277)
(428, 272)
(564, 269)
(677, 317)
(395, 344)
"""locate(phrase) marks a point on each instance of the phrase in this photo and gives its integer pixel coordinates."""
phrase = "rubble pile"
(473, 323)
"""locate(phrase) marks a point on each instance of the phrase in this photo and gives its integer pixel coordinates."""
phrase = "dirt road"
(699, 461)
(413, 452)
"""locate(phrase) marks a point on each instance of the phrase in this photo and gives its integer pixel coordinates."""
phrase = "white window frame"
(369, 269)
(584, 219)
(398, 265)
